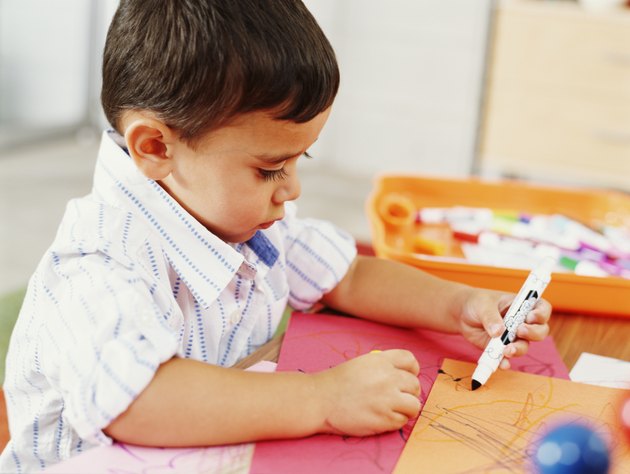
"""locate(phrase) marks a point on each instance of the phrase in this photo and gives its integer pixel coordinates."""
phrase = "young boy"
(182, 259)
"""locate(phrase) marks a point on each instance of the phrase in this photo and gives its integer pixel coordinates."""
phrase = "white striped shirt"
(132, 280)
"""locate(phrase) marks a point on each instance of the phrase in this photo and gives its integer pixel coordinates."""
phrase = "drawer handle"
(620, 137)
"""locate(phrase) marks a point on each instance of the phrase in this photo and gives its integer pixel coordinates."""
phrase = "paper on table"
(496, 427)
(123, 458)
(599, 370)
(315, 342)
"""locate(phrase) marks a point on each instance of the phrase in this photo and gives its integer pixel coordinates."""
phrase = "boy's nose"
(289, 189)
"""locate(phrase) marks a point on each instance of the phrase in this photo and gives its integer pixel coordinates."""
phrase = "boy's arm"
(191, 403)
(395, 293)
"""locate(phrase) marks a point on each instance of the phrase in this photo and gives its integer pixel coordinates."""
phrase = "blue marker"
(525, 300)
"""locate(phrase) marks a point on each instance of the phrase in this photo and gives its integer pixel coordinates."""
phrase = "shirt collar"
(185, 241)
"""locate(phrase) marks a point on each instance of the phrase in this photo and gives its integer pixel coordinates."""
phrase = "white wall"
(412, 74)
(104, 12)
(44, 54)
(411, 77)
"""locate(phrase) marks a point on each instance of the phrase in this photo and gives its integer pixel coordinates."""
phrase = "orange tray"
(567, 292)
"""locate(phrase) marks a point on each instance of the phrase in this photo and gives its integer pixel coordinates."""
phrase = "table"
(573, 334)
(577, 333)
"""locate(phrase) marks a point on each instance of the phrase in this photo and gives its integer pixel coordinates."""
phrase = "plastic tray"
(567, 292)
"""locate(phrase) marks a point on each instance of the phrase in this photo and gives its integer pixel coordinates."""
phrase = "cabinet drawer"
(558, 138)
(541, 44)
(558, 95)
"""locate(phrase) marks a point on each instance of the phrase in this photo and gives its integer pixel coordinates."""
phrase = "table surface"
(576, 333)
(572, 333)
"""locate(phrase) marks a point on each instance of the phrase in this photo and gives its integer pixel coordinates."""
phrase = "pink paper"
(315, 342)
(127, 459)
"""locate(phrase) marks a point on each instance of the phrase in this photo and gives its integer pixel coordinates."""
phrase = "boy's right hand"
(370, 394)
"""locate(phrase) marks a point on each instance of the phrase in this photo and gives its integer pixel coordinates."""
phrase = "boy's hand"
(481, 319)
(370, 394)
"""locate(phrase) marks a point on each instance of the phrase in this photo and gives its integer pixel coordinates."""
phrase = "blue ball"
(572, 449)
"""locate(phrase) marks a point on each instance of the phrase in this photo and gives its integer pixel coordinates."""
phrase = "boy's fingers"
(516, 348)
(491, 318)
(533, 332)
(493, 324)
(398, 420)
(411, 385)
(536, 328)
(540, 314)
(403, 360)
(409, 406)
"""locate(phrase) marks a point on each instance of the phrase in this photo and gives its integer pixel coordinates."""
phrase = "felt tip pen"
(525, 300)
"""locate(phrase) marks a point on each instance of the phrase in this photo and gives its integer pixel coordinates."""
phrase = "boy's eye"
(273, 175)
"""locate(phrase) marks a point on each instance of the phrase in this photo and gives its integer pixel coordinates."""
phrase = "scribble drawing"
(314, 342)
(350, 344)
(536, 365)
(429, 346)
(497, 430)
(218, 460)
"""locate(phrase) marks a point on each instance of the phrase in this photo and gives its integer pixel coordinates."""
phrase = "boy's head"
(197, 64)
(217, 100)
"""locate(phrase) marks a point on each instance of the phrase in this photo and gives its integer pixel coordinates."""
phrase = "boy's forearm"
(190, 403)
(395, 293)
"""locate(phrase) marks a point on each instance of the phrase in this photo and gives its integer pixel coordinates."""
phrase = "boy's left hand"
(481, 319)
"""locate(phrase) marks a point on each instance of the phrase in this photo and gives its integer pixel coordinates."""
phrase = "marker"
(525, 300)
(429, 246)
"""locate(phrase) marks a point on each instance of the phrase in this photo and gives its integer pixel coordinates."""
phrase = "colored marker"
(430, 246)
(525, 300)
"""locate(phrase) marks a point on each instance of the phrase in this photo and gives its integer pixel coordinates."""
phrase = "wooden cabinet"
(557, 102)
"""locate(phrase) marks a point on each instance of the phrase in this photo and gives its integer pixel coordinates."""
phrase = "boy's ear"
(149, 142)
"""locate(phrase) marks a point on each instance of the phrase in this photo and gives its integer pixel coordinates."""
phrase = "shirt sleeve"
(318, 255)
(101, 343)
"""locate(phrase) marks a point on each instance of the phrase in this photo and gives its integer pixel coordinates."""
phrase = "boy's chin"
(238, 238)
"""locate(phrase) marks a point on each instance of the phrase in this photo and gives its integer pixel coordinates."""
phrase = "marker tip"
(475, 384)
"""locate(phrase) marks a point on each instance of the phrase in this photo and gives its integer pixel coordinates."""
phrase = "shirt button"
(235, 317)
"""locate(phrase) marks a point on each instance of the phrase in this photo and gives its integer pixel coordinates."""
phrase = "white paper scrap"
(599, 370)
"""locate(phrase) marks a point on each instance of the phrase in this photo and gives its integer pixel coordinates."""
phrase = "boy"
(182, 259)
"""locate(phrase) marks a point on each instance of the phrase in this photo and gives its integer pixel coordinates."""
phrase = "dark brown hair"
(198, 63)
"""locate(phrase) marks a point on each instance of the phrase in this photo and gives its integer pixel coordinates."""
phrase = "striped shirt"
(132, 280)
